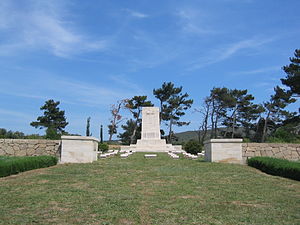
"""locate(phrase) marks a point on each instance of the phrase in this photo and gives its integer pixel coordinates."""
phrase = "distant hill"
(186, 136)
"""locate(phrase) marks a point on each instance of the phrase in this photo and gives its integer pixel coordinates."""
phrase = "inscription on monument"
(150, 123)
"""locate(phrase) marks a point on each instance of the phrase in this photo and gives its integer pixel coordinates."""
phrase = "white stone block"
(78, 149)
(224, 150)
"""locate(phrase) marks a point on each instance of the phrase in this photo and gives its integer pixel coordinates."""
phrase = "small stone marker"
(125, 155)
(190, 156)
(173, 156)
(150, 155)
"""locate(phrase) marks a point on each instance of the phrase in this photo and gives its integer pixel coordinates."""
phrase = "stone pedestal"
(78, 149)
(150, 138)
(224, 150)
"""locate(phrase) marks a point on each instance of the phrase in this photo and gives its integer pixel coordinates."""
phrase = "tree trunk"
(216, 127)
(263, 137)
(233, 126)
(204, 127)
(233, 118)
(212, 120)
(170, 131)
(110, 137)
(135, 128)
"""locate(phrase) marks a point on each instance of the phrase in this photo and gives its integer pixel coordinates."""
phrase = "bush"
(278, 167)
(193, 147)
(14, 165)
(103, 147)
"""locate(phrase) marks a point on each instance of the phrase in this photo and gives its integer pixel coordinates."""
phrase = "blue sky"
(90, 54)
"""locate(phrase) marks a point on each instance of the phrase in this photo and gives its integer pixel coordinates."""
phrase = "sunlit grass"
(148, 191)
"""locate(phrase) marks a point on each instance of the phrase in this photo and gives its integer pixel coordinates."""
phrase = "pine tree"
(292, 71)
(135, 106)
(53, 120)
(128, 128)
(87, 132)
(174, 108)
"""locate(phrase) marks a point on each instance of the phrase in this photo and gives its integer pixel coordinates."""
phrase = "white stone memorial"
(150, 138)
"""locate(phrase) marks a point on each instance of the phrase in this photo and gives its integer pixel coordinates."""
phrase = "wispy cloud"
(225, 52)
(125, 82)
(68, 91)
(136, 13)
(193, 22)
(16, 114)
(43, 25)
(258, 71)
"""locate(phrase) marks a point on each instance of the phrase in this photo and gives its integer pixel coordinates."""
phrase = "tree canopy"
(53, 120)
(292, 79)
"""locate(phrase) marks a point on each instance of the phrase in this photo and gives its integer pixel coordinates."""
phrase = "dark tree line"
(230, 113)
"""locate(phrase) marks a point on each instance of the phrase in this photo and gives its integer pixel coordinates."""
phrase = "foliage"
(278, 167)
(284, 134)
(52, 134)
(53, 120)
(135, 106)
(193, 147)
(292, 79)
(274, 111)
(17, 135)
(101, 133)
(229, 108)
(103, 147)
(87, 131)
(128, 128)
(10, 134)
(164, 93)
(14, 165)
(174, 104)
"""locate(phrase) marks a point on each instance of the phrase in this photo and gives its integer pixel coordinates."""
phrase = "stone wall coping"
(228, 140)
(28, 140)
(79, 138)
(250, 144)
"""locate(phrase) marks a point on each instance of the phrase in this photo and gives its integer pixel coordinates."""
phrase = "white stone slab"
(125, 155)
(150, 155)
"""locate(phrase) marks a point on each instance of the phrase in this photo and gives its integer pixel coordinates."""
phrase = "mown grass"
(148, 191)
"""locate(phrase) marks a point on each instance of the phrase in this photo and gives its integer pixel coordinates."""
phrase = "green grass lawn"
(148, 191)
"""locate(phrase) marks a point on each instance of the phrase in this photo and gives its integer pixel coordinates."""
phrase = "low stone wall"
(280, 150)
(29, 147)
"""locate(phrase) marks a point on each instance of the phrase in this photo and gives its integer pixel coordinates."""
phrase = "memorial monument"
(150, 137)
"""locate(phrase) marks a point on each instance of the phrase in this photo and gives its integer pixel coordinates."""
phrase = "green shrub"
(193, 147)
(14, 165)
(103, 147)
(278, 167)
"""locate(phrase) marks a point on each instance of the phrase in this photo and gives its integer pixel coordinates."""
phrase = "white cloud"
(136, 14)
(224, 52)
(42, 25)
